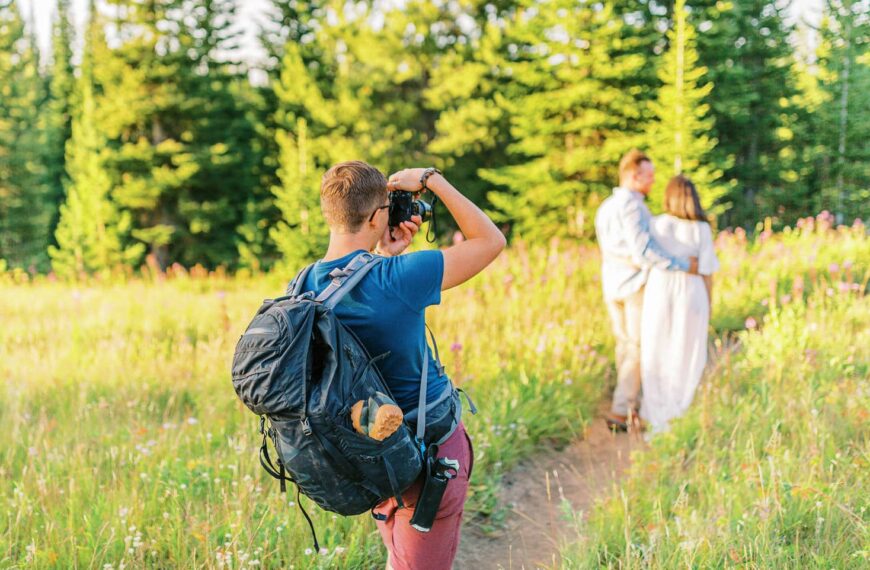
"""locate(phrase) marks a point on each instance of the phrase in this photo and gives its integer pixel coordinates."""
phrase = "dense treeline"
(153, 142)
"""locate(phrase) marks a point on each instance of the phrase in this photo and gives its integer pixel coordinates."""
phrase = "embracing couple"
(656, 273)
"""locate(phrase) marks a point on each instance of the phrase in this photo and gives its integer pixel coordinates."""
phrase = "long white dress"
(676, 314)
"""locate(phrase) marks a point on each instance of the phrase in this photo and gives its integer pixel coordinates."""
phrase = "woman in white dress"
(676, 309)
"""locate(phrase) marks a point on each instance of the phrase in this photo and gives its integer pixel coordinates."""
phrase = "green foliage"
(746, 51)
(180, 159)
(569, 133)
(24, 215)
(843, 122)
(128, 411)
(526, 105)
(768, 470)
(679, 139)
(57, 111)
(91, 230)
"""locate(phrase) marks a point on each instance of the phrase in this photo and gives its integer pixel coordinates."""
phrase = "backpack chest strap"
(345, 279)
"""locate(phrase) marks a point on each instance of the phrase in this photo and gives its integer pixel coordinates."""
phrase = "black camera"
(403, 206)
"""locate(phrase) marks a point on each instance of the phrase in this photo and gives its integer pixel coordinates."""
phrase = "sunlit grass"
(770, 467)
(125, 443)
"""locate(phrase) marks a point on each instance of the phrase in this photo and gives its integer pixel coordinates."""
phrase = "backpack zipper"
(306, 427)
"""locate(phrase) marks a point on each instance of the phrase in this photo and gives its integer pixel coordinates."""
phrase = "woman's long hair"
(682, 200)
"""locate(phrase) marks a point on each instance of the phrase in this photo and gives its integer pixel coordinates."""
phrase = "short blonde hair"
(349, 193)
(631, 162)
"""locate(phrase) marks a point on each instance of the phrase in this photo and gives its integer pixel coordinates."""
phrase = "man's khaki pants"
(625, 318)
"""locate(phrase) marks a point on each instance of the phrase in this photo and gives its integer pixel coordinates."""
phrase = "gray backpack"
(301, 369)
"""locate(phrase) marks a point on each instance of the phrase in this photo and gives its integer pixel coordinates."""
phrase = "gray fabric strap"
(295, 286)
(421, 403)
(343, 280)
(447, 393)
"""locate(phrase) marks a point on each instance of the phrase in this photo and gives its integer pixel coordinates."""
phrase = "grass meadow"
(125, 445)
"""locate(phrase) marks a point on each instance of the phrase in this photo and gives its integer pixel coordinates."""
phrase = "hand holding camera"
(396, 240)
(405, 186)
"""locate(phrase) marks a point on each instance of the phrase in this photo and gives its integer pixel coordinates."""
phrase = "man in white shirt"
(628, 251)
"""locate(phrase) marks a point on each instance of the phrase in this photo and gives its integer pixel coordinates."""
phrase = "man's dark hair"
(349, 193)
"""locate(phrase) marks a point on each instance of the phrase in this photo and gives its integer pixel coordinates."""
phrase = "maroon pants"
(411, 549)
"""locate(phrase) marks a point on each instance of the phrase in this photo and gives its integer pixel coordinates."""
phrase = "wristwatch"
(425, 177)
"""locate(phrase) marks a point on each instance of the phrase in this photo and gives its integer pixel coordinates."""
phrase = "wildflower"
(456, 347)
(340, 549)
(833, 268)
(568, 382)
(324, 551)
(308, 552)
(192, 421)
(751, 323)
(32, 452)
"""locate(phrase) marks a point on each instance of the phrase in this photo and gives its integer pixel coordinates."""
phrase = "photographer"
(387, 312)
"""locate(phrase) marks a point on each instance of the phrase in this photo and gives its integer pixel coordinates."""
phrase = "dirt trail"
(581, 473)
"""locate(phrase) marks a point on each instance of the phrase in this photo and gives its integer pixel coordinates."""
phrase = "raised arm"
(483, 240)
(645, 251)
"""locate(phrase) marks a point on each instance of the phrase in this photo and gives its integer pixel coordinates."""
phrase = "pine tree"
(578, 63)
(469, 90)
(144, 113)
(844, 125)
(360, 98)
(90, 231)
(180, 161)
(746, 49)
(58, 112)
(24, 215)
(301, 234)
(679, 140)
(213, 204)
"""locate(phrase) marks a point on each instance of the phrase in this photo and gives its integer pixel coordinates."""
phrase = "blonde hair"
(630, 162)
(682, 200)
(350, 192)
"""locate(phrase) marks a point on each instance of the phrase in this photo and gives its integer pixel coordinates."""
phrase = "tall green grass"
(124, 443)
(770, 467)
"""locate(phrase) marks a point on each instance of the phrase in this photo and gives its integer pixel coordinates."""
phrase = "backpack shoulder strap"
(295, 286)
(343, 280)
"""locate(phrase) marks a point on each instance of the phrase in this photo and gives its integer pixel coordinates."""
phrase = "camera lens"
(422, 209)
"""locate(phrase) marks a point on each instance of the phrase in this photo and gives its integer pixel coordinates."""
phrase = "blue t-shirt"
(386, 310)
